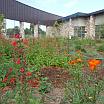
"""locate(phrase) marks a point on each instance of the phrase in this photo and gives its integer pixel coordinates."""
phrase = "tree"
(32, 28)
(11, 31)
(27, 31)
(16, 30)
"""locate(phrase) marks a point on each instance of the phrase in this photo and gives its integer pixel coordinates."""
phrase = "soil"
(58, 78)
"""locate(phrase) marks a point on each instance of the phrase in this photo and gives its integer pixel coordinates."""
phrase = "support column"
(49, 31)
(22, 29)
(90, 28)
(71, 29)
(87, 28)
(4, 27)
(36, 30)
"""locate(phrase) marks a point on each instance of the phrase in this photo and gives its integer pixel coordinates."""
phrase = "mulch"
(56, 76)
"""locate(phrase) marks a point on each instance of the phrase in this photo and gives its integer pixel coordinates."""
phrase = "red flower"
(10, 70)
(25, 41)
(18, 61)
(14, 43)
(22, 70)
(33, 83)
(5, 80)
(17, 36)
(12, 80)
(28, 74)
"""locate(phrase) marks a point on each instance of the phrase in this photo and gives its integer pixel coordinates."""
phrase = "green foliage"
(101, 48)
(27, 31)
(86, 91)
(44, 86)
(11, 31)
(44, 54)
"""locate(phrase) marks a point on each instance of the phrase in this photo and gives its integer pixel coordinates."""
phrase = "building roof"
(97, 12)
(15, 10)
(80, 14)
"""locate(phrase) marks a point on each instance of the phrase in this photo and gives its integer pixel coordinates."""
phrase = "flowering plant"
(17, 79)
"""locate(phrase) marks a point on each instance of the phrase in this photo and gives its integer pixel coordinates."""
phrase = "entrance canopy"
(15, 10)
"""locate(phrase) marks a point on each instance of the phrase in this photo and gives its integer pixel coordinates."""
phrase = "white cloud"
(71, 3)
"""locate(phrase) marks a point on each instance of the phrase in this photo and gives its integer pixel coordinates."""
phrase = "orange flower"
(78, 51)
(73, 62)
(93, 63)
(79, 60)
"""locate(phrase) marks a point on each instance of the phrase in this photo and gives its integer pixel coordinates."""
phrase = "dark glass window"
(79, 31)
(99, 31)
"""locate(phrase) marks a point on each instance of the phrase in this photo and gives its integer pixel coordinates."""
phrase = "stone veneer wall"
(87, 28)
(36, 30)
(89, 23)
(64, 31)
(71, 28)
(99, 20)
(92, 27)
(67, 28)
(49, 31)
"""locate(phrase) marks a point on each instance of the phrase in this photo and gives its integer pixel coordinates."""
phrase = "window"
(79, 31)
(99, 31)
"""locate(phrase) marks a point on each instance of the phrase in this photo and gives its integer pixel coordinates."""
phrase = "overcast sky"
(62, 7)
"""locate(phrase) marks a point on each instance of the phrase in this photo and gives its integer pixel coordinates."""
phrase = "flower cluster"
(93, 63)
(19, 73)
(74, 62)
